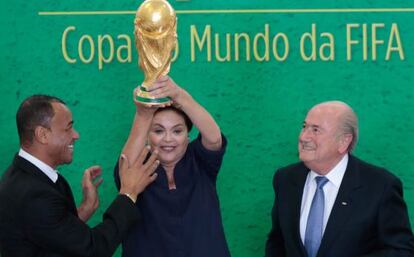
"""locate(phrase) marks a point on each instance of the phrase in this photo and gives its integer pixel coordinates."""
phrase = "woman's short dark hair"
(187, 121)
(36, 110)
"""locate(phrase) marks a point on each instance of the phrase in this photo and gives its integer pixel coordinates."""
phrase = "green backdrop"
(268, 62)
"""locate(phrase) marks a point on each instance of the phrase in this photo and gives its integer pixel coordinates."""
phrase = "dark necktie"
(64, 188)
(62, 185)
(314, 225)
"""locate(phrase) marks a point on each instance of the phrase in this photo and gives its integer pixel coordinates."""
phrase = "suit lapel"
(342, 209)
(298, 181)
(28, 167)
(34, 171)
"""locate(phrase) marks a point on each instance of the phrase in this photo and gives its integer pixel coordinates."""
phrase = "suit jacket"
(369, 216)
(38, 219)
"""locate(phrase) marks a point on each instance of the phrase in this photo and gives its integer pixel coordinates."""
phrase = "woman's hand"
(166, 87)
(143, 108)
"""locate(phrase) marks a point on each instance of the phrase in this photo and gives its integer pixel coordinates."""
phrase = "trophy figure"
(155, 39)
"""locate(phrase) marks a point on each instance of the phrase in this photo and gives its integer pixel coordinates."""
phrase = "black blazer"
(369, 216)
(38, 219)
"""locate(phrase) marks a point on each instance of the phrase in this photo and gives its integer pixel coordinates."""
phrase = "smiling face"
(61, 136)
(321, 146)
(169, 135)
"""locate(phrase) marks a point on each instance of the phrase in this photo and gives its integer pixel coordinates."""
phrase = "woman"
(180, 210)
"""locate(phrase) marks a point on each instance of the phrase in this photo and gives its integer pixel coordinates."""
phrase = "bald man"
(331, 204)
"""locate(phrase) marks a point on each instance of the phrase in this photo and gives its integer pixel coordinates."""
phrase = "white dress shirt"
(330, 190)
(51, 173)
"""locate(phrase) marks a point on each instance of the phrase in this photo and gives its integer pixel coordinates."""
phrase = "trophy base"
(144, 97)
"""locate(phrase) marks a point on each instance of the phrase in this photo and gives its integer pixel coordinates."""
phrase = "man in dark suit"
(331, 204)
(38, 216)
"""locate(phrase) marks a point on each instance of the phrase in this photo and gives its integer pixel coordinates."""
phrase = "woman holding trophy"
(179, 211)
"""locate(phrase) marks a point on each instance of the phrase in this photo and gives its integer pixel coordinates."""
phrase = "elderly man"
(38, 216)
(331, 204)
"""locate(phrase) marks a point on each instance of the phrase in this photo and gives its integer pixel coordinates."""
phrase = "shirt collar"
(335, 175)
(46, 169)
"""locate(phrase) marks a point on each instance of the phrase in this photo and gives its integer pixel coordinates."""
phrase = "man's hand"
(135, 176)
(90, 184)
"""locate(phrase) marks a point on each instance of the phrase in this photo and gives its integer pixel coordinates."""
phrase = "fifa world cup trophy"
(155, 39)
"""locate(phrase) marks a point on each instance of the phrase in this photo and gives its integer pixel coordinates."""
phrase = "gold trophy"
(155, 38)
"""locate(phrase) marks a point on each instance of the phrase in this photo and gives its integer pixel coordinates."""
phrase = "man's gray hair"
(349, 125)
